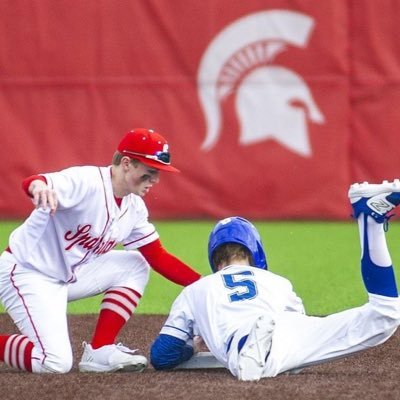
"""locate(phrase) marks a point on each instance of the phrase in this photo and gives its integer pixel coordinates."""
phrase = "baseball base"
(201, 360)
(205, 360)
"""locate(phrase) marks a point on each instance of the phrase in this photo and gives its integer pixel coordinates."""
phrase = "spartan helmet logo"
(239, 60)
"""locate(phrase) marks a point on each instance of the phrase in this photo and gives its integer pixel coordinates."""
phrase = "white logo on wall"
(239, 60)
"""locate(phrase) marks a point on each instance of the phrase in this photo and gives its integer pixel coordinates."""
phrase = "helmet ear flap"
(262, 260)
(211, 261)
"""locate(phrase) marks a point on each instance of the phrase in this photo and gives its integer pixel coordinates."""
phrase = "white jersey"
(87, 224)
(216, 306)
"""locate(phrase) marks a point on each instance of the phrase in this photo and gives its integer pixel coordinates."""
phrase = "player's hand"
(43, 196)
(198, 344)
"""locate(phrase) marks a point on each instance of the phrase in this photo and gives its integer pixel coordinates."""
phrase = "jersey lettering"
(83, 238)
(243, 285)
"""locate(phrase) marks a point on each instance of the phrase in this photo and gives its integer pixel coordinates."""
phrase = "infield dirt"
(371, 375)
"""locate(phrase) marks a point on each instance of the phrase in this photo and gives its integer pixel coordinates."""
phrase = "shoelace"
(125, 349)
(386, 222)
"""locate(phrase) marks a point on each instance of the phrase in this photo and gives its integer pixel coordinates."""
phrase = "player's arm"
(293, 302)
(168, 351)
(167, 264)
(36, 187)
(174, 344)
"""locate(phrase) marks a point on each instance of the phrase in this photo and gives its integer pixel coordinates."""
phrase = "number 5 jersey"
(218, 305)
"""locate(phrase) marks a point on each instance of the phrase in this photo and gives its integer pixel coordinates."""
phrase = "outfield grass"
(320, 258)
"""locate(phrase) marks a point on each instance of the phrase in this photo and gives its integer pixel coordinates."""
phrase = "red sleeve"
(27, 181)
(168, 265)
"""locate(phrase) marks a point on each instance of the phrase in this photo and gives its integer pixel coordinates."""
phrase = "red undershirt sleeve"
(27, 181)
(168, 265)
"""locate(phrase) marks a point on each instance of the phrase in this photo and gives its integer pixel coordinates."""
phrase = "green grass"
(320, 258)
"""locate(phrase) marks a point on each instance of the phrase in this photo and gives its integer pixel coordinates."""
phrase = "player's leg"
(122, 277)
(316, 340)
(371, 205)
(37, 305)
(248, 350)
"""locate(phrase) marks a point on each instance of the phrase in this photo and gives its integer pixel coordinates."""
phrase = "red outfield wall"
(272, 108)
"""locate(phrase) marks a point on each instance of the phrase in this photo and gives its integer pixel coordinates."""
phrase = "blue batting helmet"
(237, 230)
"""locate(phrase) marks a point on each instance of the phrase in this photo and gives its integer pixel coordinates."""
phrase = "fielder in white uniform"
(65, 251)
(254, 324)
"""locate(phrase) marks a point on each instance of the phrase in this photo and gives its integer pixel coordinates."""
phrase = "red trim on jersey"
(137, 240)
(126, 210)
(105, 200)
(27, 312)
(168, 265)
(27, 182)
(118, 200)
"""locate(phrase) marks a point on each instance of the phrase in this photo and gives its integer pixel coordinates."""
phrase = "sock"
(117, 306)
(16, 351)
(376, 264)
(373, 238)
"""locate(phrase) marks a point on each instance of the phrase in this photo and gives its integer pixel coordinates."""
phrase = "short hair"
(228, 252)
(117, 157)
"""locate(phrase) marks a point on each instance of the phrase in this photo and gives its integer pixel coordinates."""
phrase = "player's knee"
(146, 273)
(55, 364)
(58, 366)
(387, 309)
(383, 316)
(141, 273)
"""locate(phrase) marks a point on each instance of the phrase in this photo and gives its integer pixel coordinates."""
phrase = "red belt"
(8, 250)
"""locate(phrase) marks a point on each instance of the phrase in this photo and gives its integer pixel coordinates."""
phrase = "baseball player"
(64, 251)
(252, 321)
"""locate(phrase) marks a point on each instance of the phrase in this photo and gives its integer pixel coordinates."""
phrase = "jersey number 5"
(242, 283)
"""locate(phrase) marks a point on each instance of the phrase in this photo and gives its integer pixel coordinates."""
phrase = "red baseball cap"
(149, 147)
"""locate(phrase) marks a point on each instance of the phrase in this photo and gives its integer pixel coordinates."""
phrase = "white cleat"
(111, 358)
(375, 200)
(254, 354)
(365, 189)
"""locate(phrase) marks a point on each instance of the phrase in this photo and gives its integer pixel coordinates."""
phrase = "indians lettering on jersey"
(81, 237)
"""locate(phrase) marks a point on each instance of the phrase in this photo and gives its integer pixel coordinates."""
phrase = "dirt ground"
(372, 375)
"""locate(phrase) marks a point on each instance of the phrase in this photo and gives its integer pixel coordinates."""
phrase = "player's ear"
(125, 163)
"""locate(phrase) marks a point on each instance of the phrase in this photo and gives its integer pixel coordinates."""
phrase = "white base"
(201, 360)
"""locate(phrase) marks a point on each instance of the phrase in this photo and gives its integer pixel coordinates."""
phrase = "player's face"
(140, 178)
